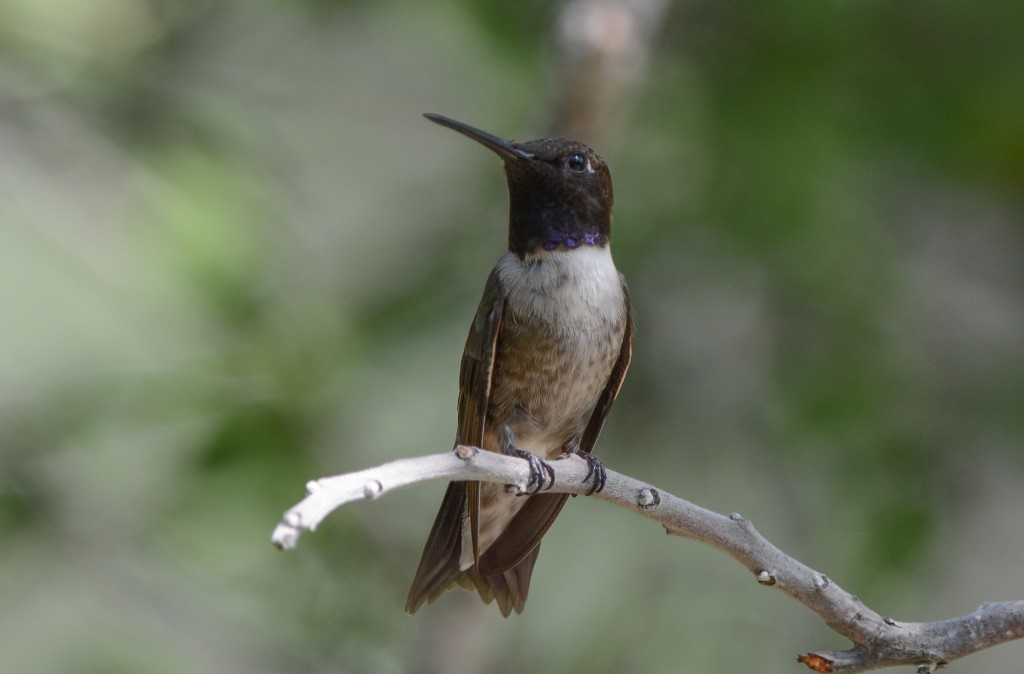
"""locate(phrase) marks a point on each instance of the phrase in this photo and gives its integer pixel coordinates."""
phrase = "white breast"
(569, 290)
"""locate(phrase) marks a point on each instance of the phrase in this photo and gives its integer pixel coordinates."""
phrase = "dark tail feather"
(510, 588)
(522, 535)
(439, 564)
(439, 571)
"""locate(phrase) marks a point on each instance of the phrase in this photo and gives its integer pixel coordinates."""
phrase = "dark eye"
(577, 162)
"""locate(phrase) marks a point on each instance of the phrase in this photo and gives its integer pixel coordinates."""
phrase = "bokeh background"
(234, 257)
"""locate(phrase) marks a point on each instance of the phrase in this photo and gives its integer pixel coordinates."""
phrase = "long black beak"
(504, 148)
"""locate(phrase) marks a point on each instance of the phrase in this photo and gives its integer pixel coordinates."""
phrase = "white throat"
(577, 289)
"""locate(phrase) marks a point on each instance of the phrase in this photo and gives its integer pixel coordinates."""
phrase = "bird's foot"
(596, 471)
(542, 474)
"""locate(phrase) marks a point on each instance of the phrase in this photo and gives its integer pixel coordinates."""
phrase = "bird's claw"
(595, 471)
(542, 475)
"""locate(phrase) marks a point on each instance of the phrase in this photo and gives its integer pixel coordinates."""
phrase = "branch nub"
(372, 489)
(648, 499)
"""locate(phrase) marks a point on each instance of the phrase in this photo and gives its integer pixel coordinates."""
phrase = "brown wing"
(523, 534)
(478, 364)
(475, 381)
(439, 565)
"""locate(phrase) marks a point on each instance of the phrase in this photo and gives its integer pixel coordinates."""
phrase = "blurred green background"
(233, 257)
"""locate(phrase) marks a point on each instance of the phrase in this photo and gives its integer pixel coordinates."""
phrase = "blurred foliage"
(234, 258)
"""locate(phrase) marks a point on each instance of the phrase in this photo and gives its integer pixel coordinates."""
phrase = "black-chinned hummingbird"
(544, 360)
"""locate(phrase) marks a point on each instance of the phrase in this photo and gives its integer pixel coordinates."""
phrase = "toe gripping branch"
(542, 474)
(595, 471)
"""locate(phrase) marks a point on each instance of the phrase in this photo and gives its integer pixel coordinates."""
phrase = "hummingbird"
(546, 354)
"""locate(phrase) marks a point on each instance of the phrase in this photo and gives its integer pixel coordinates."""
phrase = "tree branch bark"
(879, 641)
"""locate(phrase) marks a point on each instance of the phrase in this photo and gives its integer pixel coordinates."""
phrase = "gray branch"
(878, 641)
